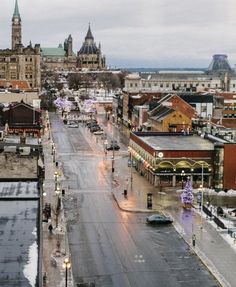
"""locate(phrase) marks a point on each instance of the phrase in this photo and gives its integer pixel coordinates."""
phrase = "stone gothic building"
(62, 57)
(20, 63)
(59, 58)
(90, 56)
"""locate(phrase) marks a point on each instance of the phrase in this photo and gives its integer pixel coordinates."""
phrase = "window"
(131, 85)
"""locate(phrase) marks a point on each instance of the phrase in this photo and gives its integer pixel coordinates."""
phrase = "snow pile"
(30, 269)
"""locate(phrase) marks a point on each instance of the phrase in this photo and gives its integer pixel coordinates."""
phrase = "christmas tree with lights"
(187, 195)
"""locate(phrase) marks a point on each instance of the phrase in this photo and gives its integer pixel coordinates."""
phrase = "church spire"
(89, 35)
(16, 10)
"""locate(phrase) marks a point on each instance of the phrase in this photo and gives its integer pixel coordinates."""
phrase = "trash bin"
(149, 200)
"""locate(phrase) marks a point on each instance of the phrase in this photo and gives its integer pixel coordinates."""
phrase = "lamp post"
(182, 174)
(131, 174)
(56, 179)
(113, 159)
(58, 206)
(67, 266)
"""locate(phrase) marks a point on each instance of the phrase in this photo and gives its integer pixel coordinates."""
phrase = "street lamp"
(182, 174)
(56, 179)
(113, 159)
(66, 265)
(131, 174)
(58, 206)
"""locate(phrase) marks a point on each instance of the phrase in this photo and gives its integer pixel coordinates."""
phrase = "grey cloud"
(132, 32)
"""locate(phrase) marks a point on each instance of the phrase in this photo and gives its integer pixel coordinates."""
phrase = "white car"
(73, 126)
(100, 132)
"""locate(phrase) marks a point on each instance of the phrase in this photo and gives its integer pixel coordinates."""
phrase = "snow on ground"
(224, 233)
(31, 268)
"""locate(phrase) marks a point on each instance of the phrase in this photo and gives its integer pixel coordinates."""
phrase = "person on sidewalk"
(50, 228)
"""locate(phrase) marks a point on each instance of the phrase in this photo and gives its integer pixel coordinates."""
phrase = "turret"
(70, 46)
(16, 27)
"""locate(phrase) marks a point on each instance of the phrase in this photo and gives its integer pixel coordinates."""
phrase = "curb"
(205, 261)
(132, 210)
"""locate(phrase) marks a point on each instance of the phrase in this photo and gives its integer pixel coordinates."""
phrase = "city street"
(108, 246)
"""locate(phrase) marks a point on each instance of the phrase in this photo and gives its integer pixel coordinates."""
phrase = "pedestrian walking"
(50, 228)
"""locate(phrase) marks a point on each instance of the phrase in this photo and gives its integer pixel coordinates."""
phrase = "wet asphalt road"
(110, 247)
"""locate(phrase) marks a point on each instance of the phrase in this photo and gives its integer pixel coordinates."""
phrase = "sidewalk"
(55, 245)
(210, 245)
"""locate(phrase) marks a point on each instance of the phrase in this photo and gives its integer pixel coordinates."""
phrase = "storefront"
(168, 159)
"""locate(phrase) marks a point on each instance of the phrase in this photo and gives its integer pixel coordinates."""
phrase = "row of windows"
(173, 85)
(229, 116)
(12, 60)
(230, 108)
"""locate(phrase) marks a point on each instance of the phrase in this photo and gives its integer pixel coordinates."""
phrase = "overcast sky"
(133, 33)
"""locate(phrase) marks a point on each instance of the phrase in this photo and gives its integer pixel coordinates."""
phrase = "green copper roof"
(16, 11)
(56, 52)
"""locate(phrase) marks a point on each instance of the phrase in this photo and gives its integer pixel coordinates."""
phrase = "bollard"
(194, 240)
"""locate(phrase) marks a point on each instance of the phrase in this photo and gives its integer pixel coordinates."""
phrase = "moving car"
(113, 146)
(158, 219)
(73, 126)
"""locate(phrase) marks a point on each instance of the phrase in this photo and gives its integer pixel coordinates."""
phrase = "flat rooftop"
(18, 234)
(179, 142)
(19, 189)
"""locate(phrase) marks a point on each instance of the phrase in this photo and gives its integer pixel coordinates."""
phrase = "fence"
(217, 221)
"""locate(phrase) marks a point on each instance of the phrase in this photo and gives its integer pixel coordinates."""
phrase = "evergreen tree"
(187, 194)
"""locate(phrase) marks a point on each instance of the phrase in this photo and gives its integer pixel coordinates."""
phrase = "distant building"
(60, 58)
(90, 56)
(168, 159)
(219, 76)
(19, 62)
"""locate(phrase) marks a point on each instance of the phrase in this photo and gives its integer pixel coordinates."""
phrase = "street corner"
(128, 205)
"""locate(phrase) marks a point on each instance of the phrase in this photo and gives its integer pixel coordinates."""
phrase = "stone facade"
(20, 63)
(90, 56)
(60, 58)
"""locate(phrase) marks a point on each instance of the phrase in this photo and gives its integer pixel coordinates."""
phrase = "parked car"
(95, 129)
(91, 123)
(99, 132)
(158, 219)
(232, 212)
(113, 146)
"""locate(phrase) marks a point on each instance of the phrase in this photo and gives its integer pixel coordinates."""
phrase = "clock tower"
(16, 27)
